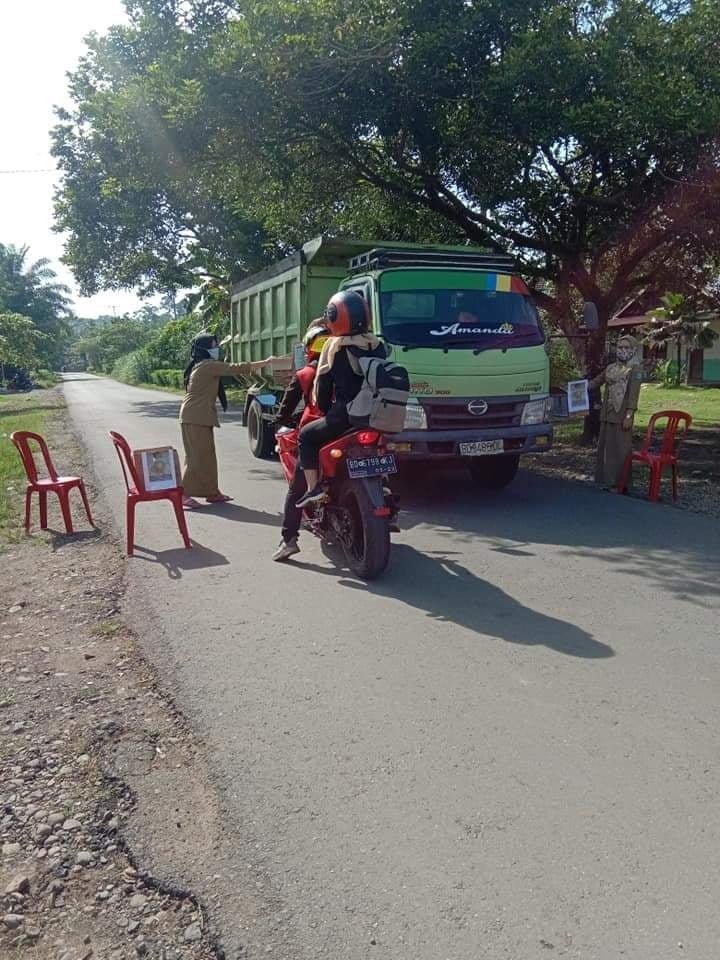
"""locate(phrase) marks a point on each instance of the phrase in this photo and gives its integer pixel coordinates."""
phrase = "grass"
(702, 403)
(107, 628)
(18, 412)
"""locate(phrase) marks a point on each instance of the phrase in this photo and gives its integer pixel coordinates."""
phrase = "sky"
(40, 40)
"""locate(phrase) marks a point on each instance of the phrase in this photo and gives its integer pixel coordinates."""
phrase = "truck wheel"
(494, 473)
(261, 436)
(368, 548)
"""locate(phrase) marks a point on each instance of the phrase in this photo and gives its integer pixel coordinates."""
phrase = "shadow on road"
(445, 590)
(675, 550)
(60, 539)
(179, 560)
(170, 409)
(240, 514)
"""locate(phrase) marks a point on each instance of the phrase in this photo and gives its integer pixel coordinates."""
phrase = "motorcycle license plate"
(359, 467)
(481, 448)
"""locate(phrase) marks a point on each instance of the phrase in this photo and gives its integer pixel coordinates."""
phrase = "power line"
(39, 170)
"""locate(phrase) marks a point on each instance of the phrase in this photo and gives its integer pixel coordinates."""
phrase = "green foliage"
(563, 364)
(32, 291)
(133, 368)
(668, 374)
(206, 138)
(163, 357)
(169, 348)
(19, 341)
(104, 346)
(167, 378)
(45, 379)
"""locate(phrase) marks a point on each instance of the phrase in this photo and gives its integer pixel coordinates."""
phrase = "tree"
(32, 291)
(103, 346)
(208, 136)
(679, 322)
(19, 342)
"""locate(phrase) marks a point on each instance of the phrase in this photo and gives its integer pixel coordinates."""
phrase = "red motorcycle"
(358, 508)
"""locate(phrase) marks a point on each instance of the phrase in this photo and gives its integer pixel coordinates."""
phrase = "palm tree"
(679, 322)
(34, 291)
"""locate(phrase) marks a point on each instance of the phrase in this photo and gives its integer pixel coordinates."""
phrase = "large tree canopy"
(209, 136)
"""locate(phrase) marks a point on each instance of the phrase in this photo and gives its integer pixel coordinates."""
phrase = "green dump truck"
(460, 319)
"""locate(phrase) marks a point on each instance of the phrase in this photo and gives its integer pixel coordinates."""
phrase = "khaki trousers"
(200, 476)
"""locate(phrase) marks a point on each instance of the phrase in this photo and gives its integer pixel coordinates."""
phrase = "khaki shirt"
(199, 405)
(631, 397)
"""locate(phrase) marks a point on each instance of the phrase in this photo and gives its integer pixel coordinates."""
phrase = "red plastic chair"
(44, 485)
(666, 456)
(135, 494)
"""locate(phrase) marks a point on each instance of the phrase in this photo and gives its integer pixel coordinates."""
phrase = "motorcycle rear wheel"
(367, 545)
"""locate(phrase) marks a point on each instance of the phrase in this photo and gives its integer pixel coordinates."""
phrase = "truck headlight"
(536, 411)
(415, 417)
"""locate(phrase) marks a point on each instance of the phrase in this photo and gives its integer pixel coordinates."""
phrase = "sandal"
(220, 498)
(190, 504)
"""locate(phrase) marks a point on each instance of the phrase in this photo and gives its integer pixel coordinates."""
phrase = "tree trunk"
(678, 349)
(595, 361)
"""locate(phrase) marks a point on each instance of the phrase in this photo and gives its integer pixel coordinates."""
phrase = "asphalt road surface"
(506, 748)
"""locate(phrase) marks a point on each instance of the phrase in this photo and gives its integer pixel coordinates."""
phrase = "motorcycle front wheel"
(367, 541)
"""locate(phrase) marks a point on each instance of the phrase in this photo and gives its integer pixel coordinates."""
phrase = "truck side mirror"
(591, 318)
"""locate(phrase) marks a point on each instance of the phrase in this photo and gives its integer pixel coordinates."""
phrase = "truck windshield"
(451, 318)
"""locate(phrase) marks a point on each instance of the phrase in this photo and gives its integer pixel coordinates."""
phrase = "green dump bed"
(271, 310)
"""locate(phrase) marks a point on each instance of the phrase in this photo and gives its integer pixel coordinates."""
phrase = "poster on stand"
(578, 397)
(159, 468)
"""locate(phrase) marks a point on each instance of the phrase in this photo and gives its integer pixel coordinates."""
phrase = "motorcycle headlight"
(536, 411)
(415, 417)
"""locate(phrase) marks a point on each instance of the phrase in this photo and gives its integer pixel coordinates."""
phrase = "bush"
(563, 365)
(133, 367)
(167, 378)
(666, 373)
(45, 378)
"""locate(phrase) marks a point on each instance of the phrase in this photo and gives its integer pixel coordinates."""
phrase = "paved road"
(507, 748)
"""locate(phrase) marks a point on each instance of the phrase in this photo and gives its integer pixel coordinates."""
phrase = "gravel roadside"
(81, 718)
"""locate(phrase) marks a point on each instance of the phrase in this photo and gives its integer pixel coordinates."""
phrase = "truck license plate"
(481, 448)
(358, 467)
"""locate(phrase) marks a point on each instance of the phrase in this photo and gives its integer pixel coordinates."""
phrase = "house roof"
(637, 311)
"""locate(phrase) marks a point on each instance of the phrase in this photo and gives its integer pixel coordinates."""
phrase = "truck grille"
(453, 414)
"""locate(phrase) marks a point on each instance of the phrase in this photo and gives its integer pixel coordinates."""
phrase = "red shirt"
(306, 379)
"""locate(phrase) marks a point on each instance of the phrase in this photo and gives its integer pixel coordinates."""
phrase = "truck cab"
(464, 325)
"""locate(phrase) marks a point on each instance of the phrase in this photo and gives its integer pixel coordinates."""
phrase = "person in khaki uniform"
(622, 381)
(198, 417)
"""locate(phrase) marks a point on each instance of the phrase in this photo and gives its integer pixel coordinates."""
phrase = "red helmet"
(346, 314)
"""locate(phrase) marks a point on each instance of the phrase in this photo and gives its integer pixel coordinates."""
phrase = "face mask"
(214, 353)
(624, 354)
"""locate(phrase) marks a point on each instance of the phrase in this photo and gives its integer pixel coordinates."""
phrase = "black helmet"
(347, 313)
(200, 346)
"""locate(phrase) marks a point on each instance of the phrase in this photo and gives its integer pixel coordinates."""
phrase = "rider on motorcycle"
(347, 318)
(300, 388)
(301, 385)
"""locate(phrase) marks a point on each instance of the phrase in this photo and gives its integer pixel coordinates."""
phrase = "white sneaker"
(286, 550)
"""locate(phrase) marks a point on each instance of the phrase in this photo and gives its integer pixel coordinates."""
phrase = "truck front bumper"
(445, 444)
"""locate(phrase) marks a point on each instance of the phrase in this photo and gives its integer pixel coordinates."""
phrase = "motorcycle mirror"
(591, 318)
